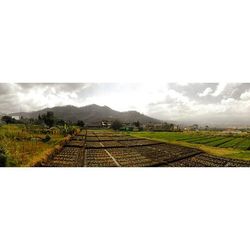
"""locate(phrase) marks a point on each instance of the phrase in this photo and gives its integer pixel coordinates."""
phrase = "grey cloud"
(173, 101)
(65, 87)
(5, 88)
(192, 90)
(227, 106)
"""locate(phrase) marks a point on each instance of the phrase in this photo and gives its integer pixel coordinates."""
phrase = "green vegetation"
(48, 119)
(213, 142)
(116, 125)
(80, 123)
(25, 142)
(3, 157)
(8, 119)
(24, 145)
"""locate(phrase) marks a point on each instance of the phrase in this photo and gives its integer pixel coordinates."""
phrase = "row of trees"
(117, 125)
(50, 120)
(8, 119)
(47, 119)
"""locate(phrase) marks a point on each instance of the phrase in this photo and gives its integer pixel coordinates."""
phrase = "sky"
(173, 60)
(204, 103)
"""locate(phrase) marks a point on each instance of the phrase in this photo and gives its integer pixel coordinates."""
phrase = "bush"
(80, 124)
(116, 125)
(47, 138)
(3, 158)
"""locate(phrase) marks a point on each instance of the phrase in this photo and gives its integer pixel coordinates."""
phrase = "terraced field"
(111, 149)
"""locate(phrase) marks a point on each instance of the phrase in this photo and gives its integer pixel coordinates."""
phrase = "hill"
(90, 114)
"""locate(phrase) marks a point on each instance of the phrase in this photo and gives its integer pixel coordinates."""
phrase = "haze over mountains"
(90, 114)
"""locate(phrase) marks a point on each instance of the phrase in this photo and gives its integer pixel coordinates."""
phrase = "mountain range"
(90, 114)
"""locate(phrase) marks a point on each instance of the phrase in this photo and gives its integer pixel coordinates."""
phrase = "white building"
(16, 117)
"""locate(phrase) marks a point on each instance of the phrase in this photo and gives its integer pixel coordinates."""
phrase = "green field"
(217, 143)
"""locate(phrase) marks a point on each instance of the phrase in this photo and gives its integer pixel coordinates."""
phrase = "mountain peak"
(91, 105)
(91, 114)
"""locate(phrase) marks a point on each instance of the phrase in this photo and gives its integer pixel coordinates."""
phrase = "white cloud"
(245, 96)
(206, 92)
(163, 101)
(219, 89)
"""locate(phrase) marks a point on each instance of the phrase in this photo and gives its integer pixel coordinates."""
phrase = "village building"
(106, 124)
(16, 117)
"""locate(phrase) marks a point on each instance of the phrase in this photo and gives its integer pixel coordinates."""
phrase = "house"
(194, 127)
(161, 127)
(94, 125)
(106, 124)
(16, 117)
(231, 131)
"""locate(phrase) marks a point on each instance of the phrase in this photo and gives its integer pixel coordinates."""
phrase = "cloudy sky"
(211, 103)
(142, 55)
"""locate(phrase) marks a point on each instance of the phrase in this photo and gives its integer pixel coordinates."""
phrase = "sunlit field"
(26, 145)
(36, 145)
(235, 146)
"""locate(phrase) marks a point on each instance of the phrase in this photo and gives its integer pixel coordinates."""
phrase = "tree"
(60, 122)
(31, 120)
(80, 124)
(171, 127)
(47, 138)
(8, 119)
(116, 125)
(137, 124)
(48, 119)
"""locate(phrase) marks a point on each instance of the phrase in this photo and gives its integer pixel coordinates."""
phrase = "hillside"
(90, 114)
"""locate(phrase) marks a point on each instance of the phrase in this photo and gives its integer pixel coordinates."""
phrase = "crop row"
(128, 157)
(68, 157)
(220, 141)
(165, 153)
(92, 138)
(113, 143)
(78, 138)
(132, 143)
(108, 134)
(110, 149)
(93, 144)
(76, 143)
(205, 160)
(98, 158)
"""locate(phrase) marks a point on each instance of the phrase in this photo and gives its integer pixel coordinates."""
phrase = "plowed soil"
(111, 149)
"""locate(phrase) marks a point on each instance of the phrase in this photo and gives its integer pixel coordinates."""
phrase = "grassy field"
(216, 143)
(24, 146)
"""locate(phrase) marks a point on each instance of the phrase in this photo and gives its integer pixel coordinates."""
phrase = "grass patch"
(174, 137)
(25, 146)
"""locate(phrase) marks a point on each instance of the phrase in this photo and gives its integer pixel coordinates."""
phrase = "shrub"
(80, 124)
(3, 158)
(116, 125)
(47, 138)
